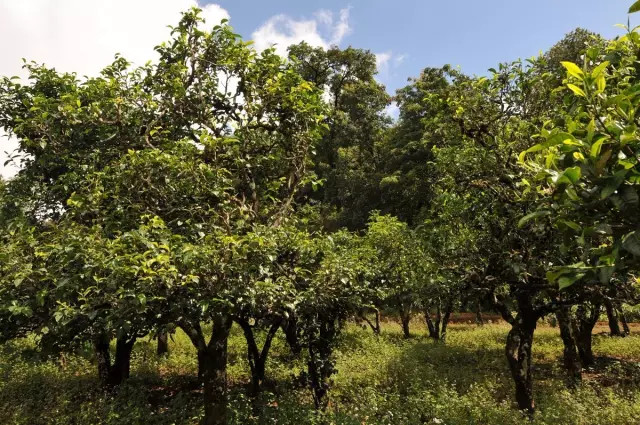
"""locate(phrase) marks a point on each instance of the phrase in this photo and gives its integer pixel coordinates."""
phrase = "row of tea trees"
(179, 194)
(161, 196)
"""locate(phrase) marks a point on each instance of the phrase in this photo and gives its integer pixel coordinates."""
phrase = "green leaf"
(524, 220)
(602, 83)
(570, 176)
(635, 7)
(573, 69)
(577, 90)
(598, 69)
(571, 224)
(597, 147)
(631, 243)
(566, 281)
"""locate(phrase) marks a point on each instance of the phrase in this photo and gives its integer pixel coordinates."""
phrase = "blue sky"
(473, 34)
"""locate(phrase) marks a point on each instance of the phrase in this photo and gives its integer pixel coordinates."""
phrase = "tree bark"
(257, 358)
(320, 364)
(586, 319)
(405, 318)
(163, 343)
(445, 321)
(623, 320)
(112, 375)
(121, 368)
(290, 329)
(518, 352)
(375, 326)
(570, 354)
(434, 332)
(479, 318)
(612, 316)
(103, 357)
(212, 367)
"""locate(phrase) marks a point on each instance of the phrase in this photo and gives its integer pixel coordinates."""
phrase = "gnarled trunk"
(585, 321)
(434, 328)
(103, 357)
(112, 375)
(320, 364)
(212, 367)
(570, 353)
(518, 352)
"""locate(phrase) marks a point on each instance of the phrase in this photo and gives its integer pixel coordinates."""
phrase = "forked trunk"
(586, 319)
(212, 367)
(518, 352)
(112, 375)
(570, 354)
(257, 358)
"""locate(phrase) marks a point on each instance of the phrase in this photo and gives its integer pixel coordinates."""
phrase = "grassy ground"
(384, 380)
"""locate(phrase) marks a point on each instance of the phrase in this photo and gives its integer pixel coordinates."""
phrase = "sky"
(405, 35)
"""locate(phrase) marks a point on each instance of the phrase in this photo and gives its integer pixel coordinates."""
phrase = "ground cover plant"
(380, 380)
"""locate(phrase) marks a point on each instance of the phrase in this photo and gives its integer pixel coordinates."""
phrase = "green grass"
(380, 380)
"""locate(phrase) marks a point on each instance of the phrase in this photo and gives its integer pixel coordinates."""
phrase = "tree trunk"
(405, 318)
(433, 331)
(212, 367)
(570, 354)
(375, 326)
(111, 375)
(290, 329)
(257, 358)
(612, 316)
(623, 320)
(214, 374)
(121, 368)
(518, 352)
(320, 364)
(586, 319)
(163, 343)
(103, 357)
(445, 322)
(479, 318)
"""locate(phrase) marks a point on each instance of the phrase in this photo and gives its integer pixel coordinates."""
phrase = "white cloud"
(323, 30)
(387, 64)
(83, 36)
(392, 110)
(382, 60)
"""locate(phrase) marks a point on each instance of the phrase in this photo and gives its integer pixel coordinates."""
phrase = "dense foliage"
(221, 190)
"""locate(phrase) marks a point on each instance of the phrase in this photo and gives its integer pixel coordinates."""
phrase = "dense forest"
(221, 197)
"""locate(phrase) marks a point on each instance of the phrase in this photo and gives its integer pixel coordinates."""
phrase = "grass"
(380, 380)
